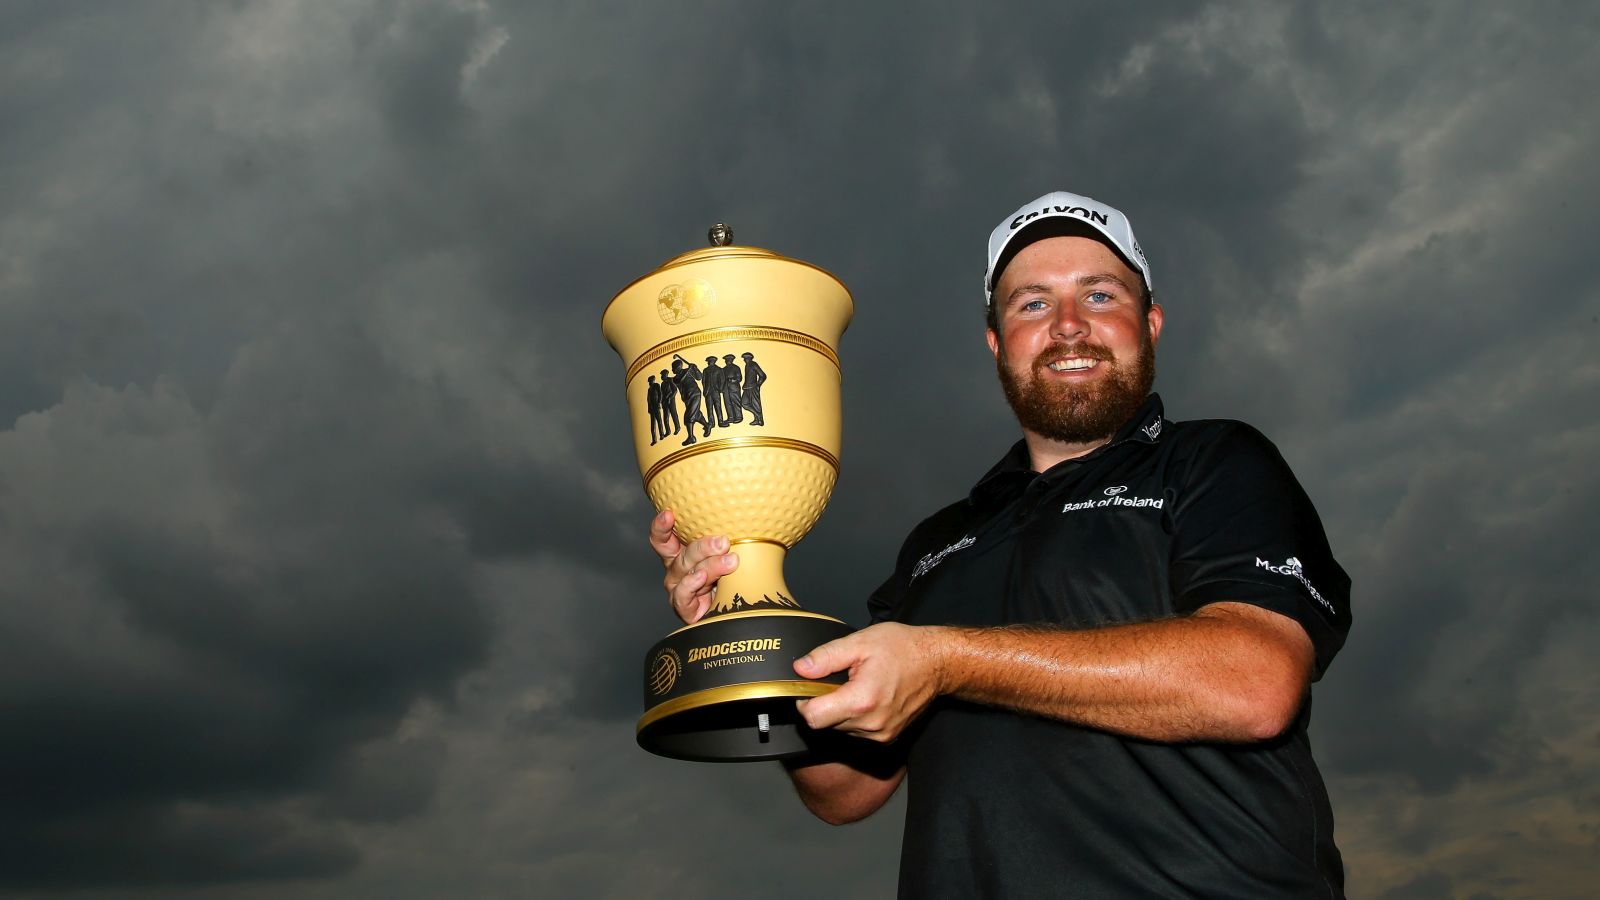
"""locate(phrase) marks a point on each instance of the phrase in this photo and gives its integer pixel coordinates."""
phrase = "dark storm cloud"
(321, 521)
(233, 590)
(1434, 344)
(183, 640)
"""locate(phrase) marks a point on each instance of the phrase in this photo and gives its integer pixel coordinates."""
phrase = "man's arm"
(1227, 672)
(836, 791)
(840, 793)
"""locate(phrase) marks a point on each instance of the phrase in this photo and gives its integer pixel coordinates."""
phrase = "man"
(731, 388)
(687, 376)
(754, 378)
(712, 385)
(1096, 666)
(653, 401)
(669, 403)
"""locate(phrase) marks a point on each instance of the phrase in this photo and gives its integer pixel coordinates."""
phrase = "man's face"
(1076, 350)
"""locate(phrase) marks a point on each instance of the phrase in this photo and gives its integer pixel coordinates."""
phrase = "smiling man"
(1093, 670)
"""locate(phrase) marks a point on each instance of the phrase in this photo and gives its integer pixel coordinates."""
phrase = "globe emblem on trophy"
(732, 382)
(689, 300)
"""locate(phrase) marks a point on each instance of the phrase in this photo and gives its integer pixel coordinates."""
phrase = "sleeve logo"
(1294, 569)
(926, 563)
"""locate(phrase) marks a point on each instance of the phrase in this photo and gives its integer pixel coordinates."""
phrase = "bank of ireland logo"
(664, 671)
(1113, 498)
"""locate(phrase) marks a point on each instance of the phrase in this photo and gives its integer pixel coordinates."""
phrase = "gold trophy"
(733, 391)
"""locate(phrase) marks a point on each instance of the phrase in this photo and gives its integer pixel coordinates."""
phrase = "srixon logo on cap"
(1081, 211)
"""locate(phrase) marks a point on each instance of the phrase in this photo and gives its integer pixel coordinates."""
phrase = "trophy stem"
(757, 583)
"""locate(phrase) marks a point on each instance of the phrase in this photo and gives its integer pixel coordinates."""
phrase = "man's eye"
(1099, 297)
(1033, 305)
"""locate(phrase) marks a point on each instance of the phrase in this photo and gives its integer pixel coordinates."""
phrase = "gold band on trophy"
(715, 335)
(731, 443)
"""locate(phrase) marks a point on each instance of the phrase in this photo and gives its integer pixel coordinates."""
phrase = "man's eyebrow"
(1083, 281)
(1035, 288)
(1104, 278)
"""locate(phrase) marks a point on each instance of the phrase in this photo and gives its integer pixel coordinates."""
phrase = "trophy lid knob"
(720, 235)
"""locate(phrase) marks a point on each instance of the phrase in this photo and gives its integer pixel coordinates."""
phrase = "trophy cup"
(733, 392)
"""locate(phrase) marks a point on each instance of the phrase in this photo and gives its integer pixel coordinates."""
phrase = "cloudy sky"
(324, 571)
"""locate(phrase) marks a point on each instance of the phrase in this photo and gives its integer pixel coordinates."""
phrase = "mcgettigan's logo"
(664, 671)
(1296, 570)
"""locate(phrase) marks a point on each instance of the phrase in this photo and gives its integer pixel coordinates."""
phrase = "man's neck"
(1045, 452)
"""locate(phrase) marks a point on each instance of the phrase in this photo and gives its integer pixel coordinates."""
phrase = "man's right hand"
(692, 568)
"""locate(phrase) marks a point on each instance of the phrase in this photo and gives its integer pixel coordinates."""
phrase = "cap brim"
(1056, 226)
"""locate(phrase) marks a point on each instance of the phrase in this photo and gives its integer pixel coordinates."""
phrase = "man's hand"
(692, 569)
(895, 672)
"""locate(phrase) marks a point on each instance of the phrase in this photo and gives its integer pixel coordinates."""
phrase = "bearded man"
(1093, 670)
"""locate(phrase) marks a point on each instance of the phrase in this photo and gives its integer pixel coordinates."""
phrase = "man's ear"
(994, 341)
(1153, 321)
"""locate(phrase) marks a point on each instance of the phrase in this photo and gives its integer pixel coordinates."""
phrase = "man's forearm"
(839, 793)
(1226, 673)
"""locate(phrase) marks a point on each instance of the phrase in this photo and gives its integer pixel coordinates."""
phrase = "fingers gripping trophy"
(733, 392)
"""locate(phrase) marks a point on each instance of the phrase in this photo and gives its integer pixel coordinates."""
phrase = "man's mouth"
(1073, 364)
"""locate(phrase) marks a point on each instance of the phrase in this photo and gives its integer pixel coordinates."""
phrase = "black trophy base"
(723, 689)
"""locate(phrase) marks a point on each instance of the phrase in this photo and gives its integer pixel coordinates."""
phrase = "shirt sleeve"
(884, 602)
(1245, 531)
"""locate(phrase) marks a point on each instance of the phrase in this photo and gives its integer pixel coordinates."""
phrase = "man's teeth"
(1069, 365)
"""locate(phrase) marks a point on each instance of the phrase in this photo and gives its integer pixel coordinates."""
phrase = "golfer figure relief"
(730, 390)
(669, 403)
(718, 396)
(687, 375)
(714, 393)
(653, 398)
(754, 378)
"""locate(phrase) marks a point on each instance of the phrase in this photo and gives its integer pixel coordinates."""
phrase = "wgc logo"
(664, 671)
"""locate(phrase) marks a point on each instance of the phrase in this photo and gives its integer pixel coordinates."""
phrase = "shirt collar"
(1145, 426)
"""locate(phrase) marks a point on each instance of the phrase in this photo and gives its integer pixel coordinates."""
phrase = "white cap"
(1060, 204)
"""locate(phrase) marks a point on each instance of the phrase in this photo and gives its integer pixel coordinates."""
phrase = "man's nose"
(1069, 323)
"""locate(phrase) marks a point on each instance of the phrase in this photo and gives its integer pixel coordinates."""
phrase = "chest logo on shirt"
(1113, 497)
(927, 562)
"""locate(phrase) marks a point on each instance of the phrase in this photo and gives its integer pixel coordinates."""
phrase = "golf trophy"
(733, 392)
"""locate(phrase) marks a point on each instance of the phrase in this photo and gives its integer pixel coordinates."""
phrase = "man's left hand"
(895, 672)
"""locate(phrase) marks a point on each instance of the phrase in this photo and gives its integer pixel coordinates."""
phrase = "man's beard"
(1079, 414)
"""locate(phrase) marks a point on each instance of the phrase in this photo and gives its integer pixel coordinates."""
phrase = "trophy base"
(723, 689)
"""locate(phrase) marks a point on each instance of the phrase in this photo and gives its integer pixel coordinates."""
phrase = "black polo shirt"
(1164, 519)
